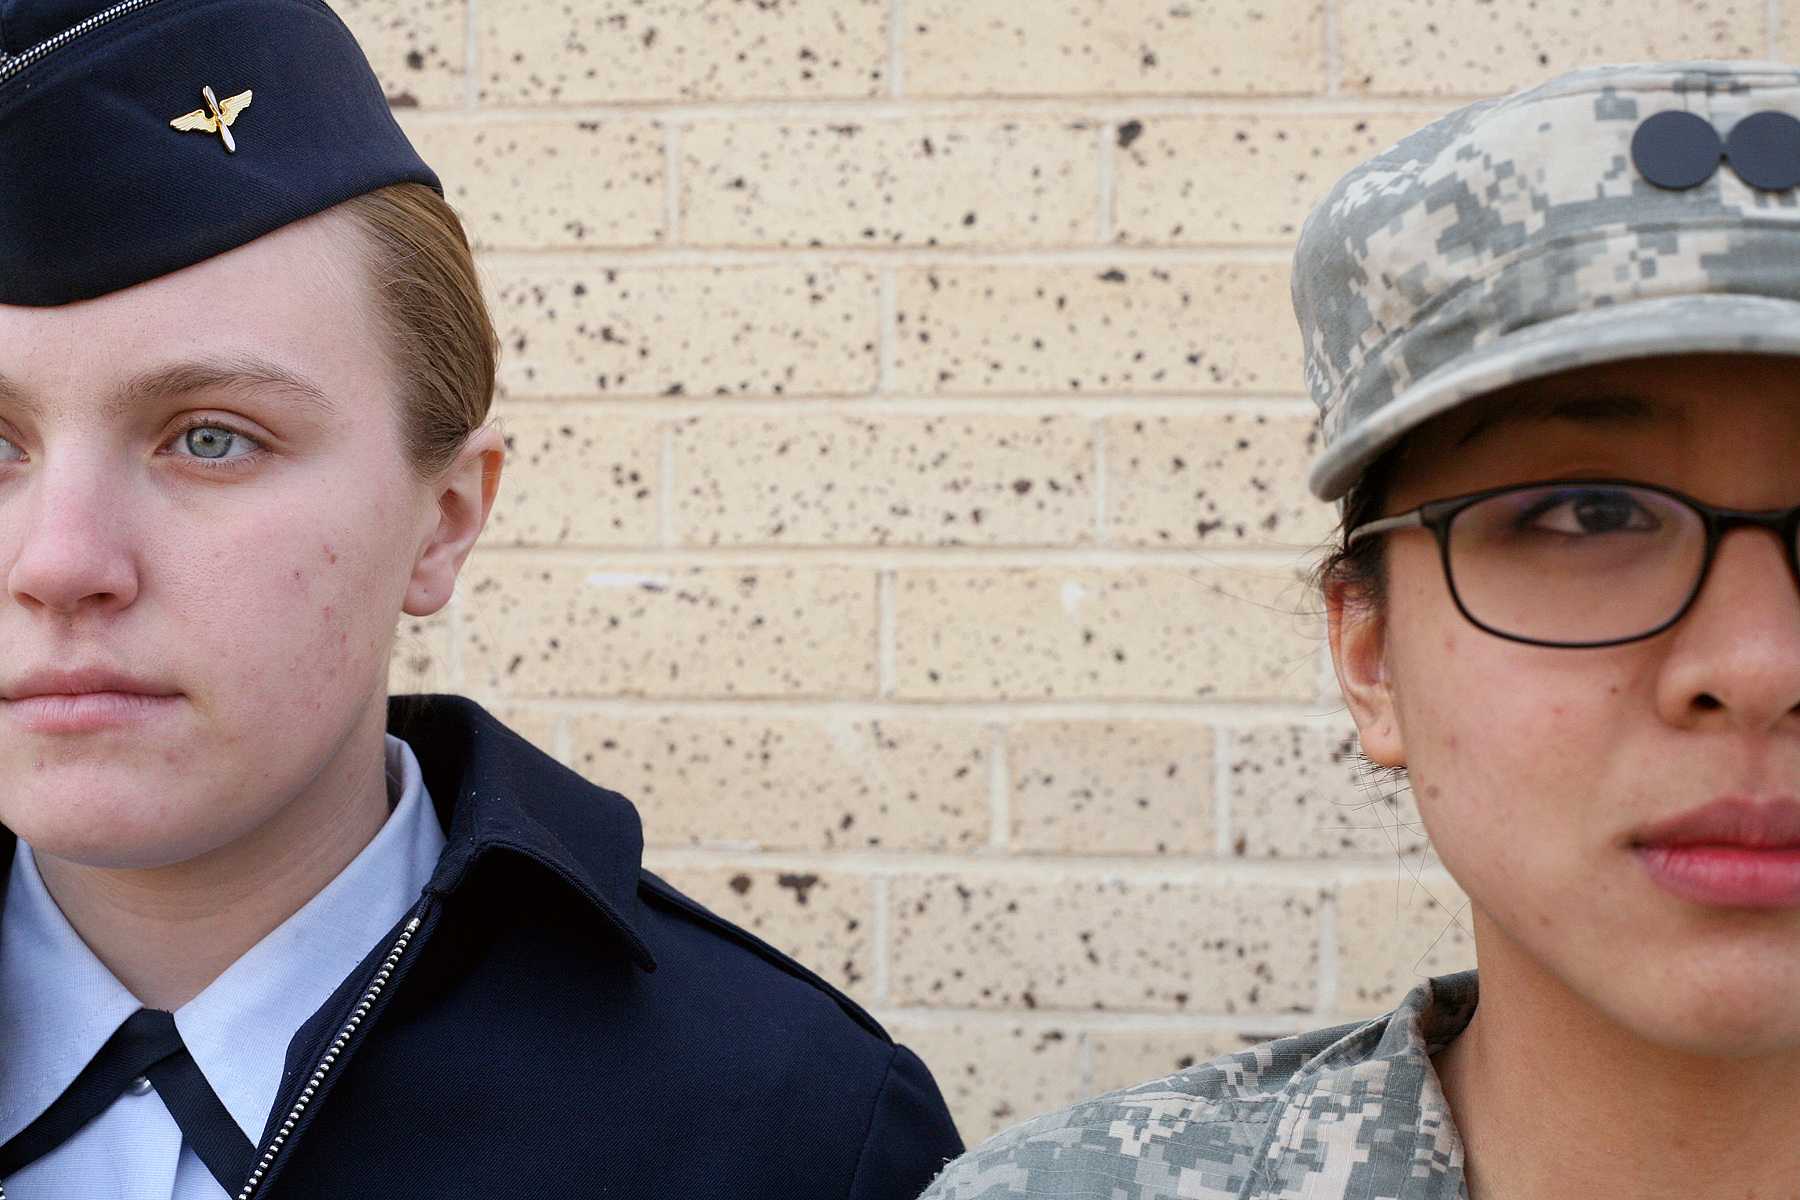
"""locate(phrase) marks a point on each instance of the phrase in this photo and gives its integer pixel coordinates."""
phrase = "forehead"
(1685, 395)
(296, 299)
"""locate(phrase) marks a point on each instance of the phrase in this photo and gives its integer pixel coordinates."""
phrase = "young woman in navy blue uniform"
(267, 931)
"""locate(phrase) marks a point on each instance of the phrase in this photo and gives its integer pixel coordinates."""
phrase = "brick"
(822, 920)
(1113, 47)
(1144, 633)
(570, 330)
(829, 783)
(938, 182)
(550, 628)
(811, 479)
(549, 183)
(1237, 178)
(995, 1074)
(1392, 935)
(1084, 942)
(1207, 327)
(558, 52)
(1304, 792)
(577, 477)
(1215, 479)
(1092, 787)
(1123, 1057)
(418, 49)
(1469, 47)
(421, 656)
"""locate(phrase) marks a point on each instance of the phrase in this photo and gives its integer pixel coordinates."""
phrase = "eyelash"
(211, 464)
(218, 464)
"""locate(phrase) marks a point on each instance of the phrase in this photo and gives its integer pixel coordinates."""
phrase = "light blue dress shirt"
(59, 1004)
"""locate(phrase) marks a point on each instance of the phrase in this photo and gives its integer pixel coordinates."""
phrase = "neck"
(1552, 1098)
(167, 932)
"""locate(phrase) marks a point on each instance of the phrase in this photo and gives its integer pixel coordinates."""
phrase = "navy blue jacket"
(552, 1020)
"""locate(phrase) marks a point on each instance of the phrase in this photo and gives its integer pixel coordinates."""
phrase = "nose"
(1735, 657)
(62, 541)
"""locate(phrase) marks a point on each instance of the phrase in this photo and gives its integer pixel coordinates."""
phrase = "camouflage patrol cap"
(1523, 236)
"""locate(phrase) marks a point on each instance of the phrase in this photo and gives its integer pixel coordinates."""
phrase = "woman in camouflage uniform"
(1552, 337)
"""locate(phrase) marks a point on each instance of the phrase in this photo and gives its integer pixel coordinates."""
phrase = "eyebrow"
(244, 374)
(1600, 409)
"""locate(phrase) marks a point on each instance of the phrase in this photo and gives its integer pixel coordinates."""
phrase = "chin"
(1716, 1009)
(126, 833)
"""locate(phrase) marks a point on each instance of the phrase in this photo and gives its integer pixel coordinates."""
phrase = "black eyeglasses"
(1580, 562)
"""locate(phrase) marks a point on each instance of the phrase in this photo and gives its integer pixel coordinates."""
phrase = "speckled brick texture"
(1463, 47)
(1143, 787)
(1217, 327)
(904, 496)
(1114, 47)
(1138, 634)
(1214, 479)
(790, 783)
(888, 183)
(1085, 942)
(880, 480)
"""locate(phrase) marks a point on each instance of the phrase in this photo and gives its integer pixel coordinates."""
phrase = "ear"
(465, 497)
(1358, 632)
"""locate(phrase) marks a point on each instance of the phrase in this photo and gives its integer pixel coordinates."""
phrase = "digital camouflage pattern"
(1516, 237)
(1349, 1113)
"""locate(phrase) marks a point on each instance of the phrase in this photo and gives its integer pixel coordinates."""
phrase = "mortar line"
(1089, 1021)
(1772, 29)
(1274, 253)
(628, 558)
(989, 109)
(1084, 1064)
(1246, 714)
(904, 404)
(672, 183)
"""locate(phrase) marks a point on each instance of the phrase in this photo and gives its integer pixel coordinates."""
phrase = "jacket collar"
(496, 793)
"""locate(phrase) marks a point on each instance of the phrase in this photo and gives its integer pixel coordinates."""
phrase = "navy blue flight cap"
(117, 165)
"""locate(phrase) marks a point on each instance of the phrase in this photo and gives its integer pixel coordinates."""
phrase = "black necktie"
(147, 1044)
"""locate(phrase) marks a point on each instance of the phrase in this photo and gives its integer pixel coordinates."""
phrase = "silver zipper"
(273, 1150)
(276, 1143)
(25, 58)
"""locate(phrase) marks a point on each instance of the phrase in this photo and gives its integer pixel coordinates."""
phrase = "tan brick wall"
(904, 500)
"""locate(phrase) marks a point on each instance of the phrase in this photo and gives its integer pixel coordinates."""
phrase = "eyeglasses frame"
(1437, 515)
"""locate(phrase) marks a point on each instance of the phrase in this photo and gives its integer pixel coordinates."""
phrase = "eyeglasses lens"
(1576, 565)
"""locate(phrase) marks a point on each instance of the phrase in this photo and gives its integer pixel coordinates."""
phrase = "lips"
(81, 681)
(1731, 821)
(1733, 853)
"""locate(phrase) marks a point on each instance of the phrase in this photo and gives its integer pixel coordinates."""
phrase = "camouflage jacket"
(1353, 1112)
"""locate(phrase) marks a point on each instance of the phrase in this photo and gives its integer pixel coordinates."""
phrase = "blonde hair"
(439, 331)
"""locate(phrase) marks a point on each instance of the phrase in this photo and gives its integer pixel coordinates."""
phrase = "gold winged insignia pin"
(219, 120)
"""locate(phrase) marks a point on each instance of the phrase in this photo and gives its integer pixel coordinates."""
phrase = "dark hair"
(1361, 571)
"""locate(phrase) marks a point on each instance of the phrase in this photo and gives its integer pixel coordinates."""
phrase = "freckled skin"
(1536, 765)
(120, 548)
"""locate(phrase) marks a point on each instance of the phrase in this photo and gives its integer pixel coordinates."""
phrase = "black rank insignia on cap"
(1678, 150)
(91, 206)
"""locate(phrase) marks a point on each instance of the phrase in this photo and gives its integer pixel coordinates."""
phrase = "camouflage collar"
(1353, 1112)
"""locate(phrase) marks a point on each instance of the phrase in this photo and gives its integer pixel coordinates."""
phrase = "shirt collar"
(1370, 1105)
(59, 1003)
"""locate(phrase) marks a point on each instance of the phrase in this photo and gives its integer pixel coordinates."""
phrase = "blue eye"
(219, 437)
